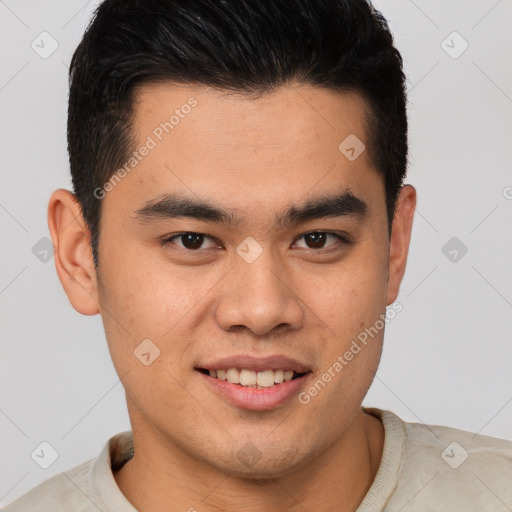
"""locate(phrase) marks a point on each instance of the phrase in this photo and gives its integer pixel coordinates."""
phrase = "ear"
(73, 255)
(400, 238)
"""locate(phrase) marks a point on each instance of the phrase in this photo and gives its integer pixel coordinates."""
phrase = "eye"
(190, 241)
(193, 242)
(318, 239)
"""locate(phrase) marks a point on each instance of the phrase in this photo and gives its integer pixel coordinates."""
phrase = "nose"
(257, 296)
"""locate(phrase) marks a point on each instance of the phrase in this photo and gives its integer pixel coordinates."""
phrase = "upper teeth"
(251, 378)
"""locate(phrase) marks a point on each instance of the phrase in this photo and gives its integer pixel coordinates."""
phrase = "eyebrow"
(169, 206)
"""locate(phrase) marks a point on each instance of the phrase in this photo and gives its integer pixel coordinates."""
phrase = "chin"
(260, 475)
(252, 466)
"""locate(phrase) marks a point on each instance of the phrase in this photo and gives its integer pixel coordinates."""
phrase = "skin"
(256, 157)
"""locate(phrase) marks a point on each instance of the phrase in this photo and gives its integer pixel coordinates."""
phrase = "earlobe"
(73, 256)
(400, 239)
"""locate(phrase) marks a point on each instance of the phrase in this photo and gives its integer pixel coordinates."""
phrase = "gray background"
(447, 355)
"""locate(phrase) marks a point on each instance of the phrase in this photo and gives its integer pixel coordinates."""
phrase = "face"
(244, 239)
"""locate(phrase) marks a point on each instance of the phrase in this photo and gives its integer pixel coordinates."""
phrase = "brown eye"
(318, 239)
(315, 240)
(192, 240)
(189, 241)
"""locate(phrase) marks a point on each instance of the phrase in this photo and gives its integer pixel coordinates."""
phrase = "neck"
(337, 480)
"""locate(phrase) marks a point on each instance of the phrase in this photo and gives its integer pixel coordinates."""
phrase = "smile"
(255, 383)
(252, 379)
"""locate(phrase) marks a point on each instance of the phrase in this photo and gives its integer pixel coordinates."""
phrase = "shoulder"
(88, 487)
(444, 468)
(68, 490)
(455, 449)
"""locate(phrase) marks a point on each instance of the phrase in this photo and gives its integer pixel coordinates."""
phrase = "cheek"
(350, 306)
(144, 298)
(142, 318)
(141, 290)
(351, 334)
(353, 295)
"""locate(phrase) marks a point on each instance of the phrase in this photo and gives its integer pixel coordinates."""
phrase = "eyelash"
(343, 239)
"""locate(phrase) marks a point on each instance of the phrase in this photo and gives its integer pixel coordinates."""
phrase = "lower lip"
(256, 399)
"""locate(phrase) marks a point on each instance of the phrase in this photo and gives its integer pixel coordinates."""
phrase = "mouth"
(248, 378)
(255, 383)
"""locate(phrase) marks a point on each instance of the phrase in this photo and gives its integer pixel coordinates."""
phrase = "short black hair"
(246, 46)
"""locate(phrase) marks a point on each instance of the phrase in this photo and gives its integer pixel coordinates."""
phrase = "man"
(239, 220)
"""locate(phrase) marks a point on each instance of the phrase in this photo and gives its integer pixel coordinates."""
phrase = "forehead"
(249, 153)
(221, 117)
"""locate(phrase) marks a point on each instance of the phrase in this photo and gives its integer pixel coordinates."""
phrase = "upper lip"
(257, 364)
